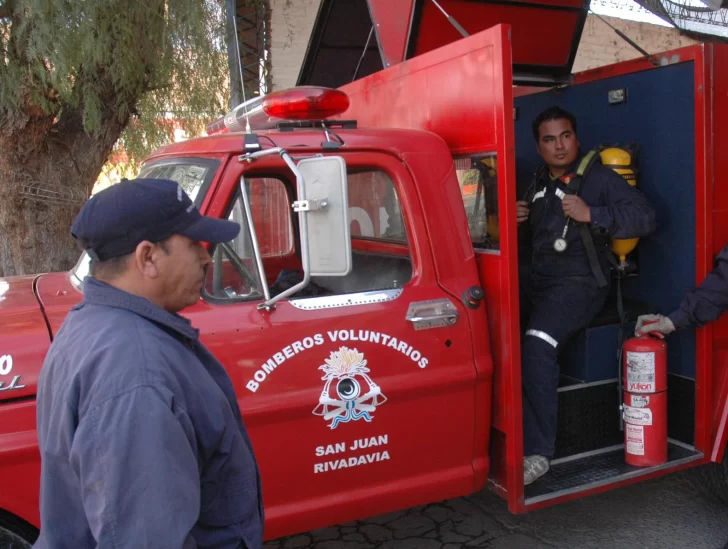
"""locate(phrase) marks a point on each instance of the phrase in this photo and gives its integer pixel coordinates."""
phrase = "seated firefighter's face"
(557, 143)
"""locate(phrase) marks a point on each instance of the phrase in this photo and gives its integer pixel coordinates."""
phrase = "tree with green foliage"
(79, 77)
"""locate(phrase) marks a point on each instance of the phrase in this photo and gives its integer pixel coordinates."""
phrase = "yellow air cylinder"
(620, 160)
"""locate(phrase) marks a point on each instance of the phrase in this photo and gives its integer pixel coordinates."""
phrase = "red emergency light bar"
(295, 104)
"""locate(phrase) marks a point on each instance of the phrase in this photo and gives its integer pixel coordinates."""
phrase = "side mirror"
(323, 213)
(325, 231)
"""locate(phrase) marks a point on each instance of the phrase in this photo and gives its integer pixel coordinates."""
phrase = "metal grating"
(602, 468)
(681, 408)
(692, 16)
(588, 418)
(52, 194)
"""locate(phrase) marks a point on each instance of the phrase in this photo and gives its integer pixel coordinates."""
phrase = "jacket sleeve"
(625, 211)
(706, 302)
(138, 470)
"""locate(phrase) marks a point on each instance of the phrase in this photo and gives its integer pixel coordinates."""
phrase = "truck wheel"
(712, 479)
(15, 533)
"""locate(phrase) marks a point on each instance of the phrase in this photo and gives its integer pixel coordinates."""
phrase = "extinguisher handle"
(655, 333)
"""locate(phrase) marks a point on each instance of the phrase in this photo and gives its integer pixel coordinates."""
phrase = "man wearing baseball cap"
(141, 439)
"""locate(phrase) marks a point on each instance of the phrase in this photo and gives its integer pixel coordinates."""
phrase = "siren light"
(294, 104)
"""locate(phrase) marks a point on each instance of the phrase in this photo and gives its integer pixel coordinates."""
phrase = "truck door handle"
(432, 313)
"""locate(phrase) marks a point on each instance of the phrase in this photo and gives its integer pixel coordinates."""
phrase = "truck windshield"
(194, 176)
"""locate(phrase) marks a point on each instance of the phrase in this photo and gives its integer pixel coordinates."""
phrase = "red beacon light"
(295, 104)
(305, 103)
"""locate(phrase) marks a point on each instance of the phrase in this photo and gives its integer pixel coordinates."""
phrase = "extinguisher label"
(637, 416)
(640, 401)
(640, 372)
(635, 435)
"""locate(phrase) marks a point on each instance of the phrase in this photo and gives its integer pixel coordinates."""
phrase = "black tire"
(712, 479)
(15, 533)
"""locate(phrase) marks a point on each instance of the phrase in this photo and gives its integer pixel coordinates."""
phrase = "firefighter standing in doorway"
(566, 219)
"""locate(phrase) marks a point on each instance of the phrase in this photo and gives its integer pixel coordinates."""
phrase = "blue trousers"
(555, 309)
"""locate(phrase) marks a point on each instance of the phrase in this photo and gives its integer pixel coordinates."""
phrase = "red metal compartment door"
(463, 93)
(409, 442)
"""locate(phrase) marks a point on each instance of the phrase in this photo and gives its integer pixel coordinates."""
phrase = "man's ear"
(145, 259)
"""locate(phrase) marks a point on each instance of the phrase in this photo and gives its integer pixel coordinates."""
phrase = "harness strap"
(585, 166)
(592, 255)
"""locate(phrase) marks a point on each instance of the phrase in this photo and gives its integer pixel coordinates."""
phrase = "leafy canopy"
(142, 61)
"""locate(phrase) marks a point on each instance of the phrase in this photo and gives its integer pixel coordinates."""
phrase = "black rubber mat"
(596, 468)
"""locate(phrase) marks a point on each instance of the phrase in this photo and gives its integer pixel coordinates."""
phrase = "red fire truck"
(387, 375)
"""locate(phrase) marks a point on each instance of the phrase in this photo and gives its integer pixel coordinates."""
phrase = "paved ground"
(662, 514)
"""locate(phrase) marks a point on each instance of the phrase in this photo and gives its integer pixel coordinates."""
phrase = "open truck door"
(470, 105)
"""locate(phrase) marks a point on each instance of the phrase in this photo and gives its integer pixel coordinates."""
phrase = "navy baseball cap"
(113, 222)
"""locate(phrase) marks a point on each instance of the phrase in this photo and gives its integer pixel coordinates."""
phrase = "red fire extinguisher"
(645, 400)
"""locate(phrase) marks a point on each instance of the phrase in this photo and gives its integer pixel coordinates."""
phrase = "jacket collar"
(100, 293)
(569, 173)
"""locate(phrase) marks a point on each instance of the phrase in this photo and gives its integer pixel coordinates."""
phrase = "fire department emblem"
(349, 393)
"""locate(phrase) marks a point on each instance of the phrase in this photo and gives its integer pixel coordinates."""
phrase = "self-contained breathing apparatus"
(595, 239)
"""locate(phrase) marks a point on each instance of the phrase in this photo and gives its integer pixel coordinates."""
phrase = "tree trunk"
(47, 171)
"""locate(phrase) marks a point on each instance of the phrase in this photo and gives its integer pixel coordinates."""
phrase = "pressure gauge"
(560, 245)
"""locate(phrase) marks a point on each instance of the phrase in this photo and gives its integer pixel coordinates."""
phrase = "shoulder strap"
(531, 190)
(582, 171)
(591, 253)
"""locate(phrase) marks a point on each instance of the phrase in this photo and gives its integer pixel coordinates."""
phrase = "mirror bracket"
(310, 205)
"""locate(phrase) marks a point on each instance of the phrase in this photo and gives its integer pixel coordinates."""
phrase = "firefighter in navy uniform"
(699, 306)
(566, 219)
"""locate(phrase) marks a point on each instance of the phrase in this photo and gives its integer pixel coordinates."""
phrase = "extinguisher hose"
(620, 343)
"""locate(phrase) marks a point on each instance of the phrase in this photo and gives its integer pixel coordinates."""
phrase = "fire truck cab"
(368, 311)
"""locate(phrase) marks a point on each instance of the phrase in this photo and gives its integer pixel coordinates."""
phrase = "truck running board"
(584, 472)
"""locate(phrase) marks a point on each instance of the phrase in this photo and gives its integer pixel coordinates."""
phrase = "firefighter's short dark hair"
(552, 113)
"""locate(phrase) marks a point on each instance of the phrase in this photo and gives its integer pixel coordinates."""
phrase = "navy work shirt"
(141, 438)
(617, 210)
(708, 301)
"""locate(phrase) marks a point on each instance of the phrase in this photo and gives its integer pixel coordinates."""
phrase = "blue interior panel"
(659, 116)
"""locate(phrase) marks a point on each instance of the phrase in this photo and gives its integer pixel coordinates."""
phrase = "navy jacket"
(706, 302)
(141, 439)
(617, 210)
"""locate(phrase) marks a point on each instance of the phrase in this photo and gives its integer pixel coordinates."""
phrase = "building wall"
(601, 46)
(290, 27)
(292, 22)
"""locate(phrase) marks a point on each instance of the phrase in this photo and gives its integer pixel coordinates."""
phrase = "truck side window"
(478, 178)
(233, 275)
(380, 253)
(374, 207)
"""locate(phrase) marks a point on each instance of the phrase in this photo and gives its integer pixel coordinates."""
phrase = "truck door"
(474, 114)
(352, 407)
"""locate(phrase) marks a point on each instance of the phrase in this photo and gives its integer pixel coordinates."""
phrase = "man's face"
(558, 145)
(181, 272)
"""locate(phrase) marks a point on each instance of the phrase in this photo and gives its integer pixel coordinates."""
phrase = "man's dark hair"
(111, 268)
(552, 113)
(108, 269)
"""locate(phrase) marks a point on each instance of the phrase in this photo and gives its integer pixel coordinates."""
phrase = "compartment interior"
(659, 116)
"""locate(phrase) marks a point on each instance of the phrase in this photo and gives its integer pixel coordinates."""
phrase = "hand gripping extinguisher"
(645, 400)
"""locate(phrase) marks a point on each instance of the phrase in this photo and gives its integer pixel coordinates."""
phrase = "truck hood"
(24, 337)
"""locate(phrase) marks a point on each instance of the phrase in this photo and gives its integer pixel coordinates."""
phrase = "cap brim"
(212, 229)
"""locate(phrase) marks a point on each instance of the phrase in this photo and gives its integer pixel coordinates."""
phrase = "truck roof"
(397, 141)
